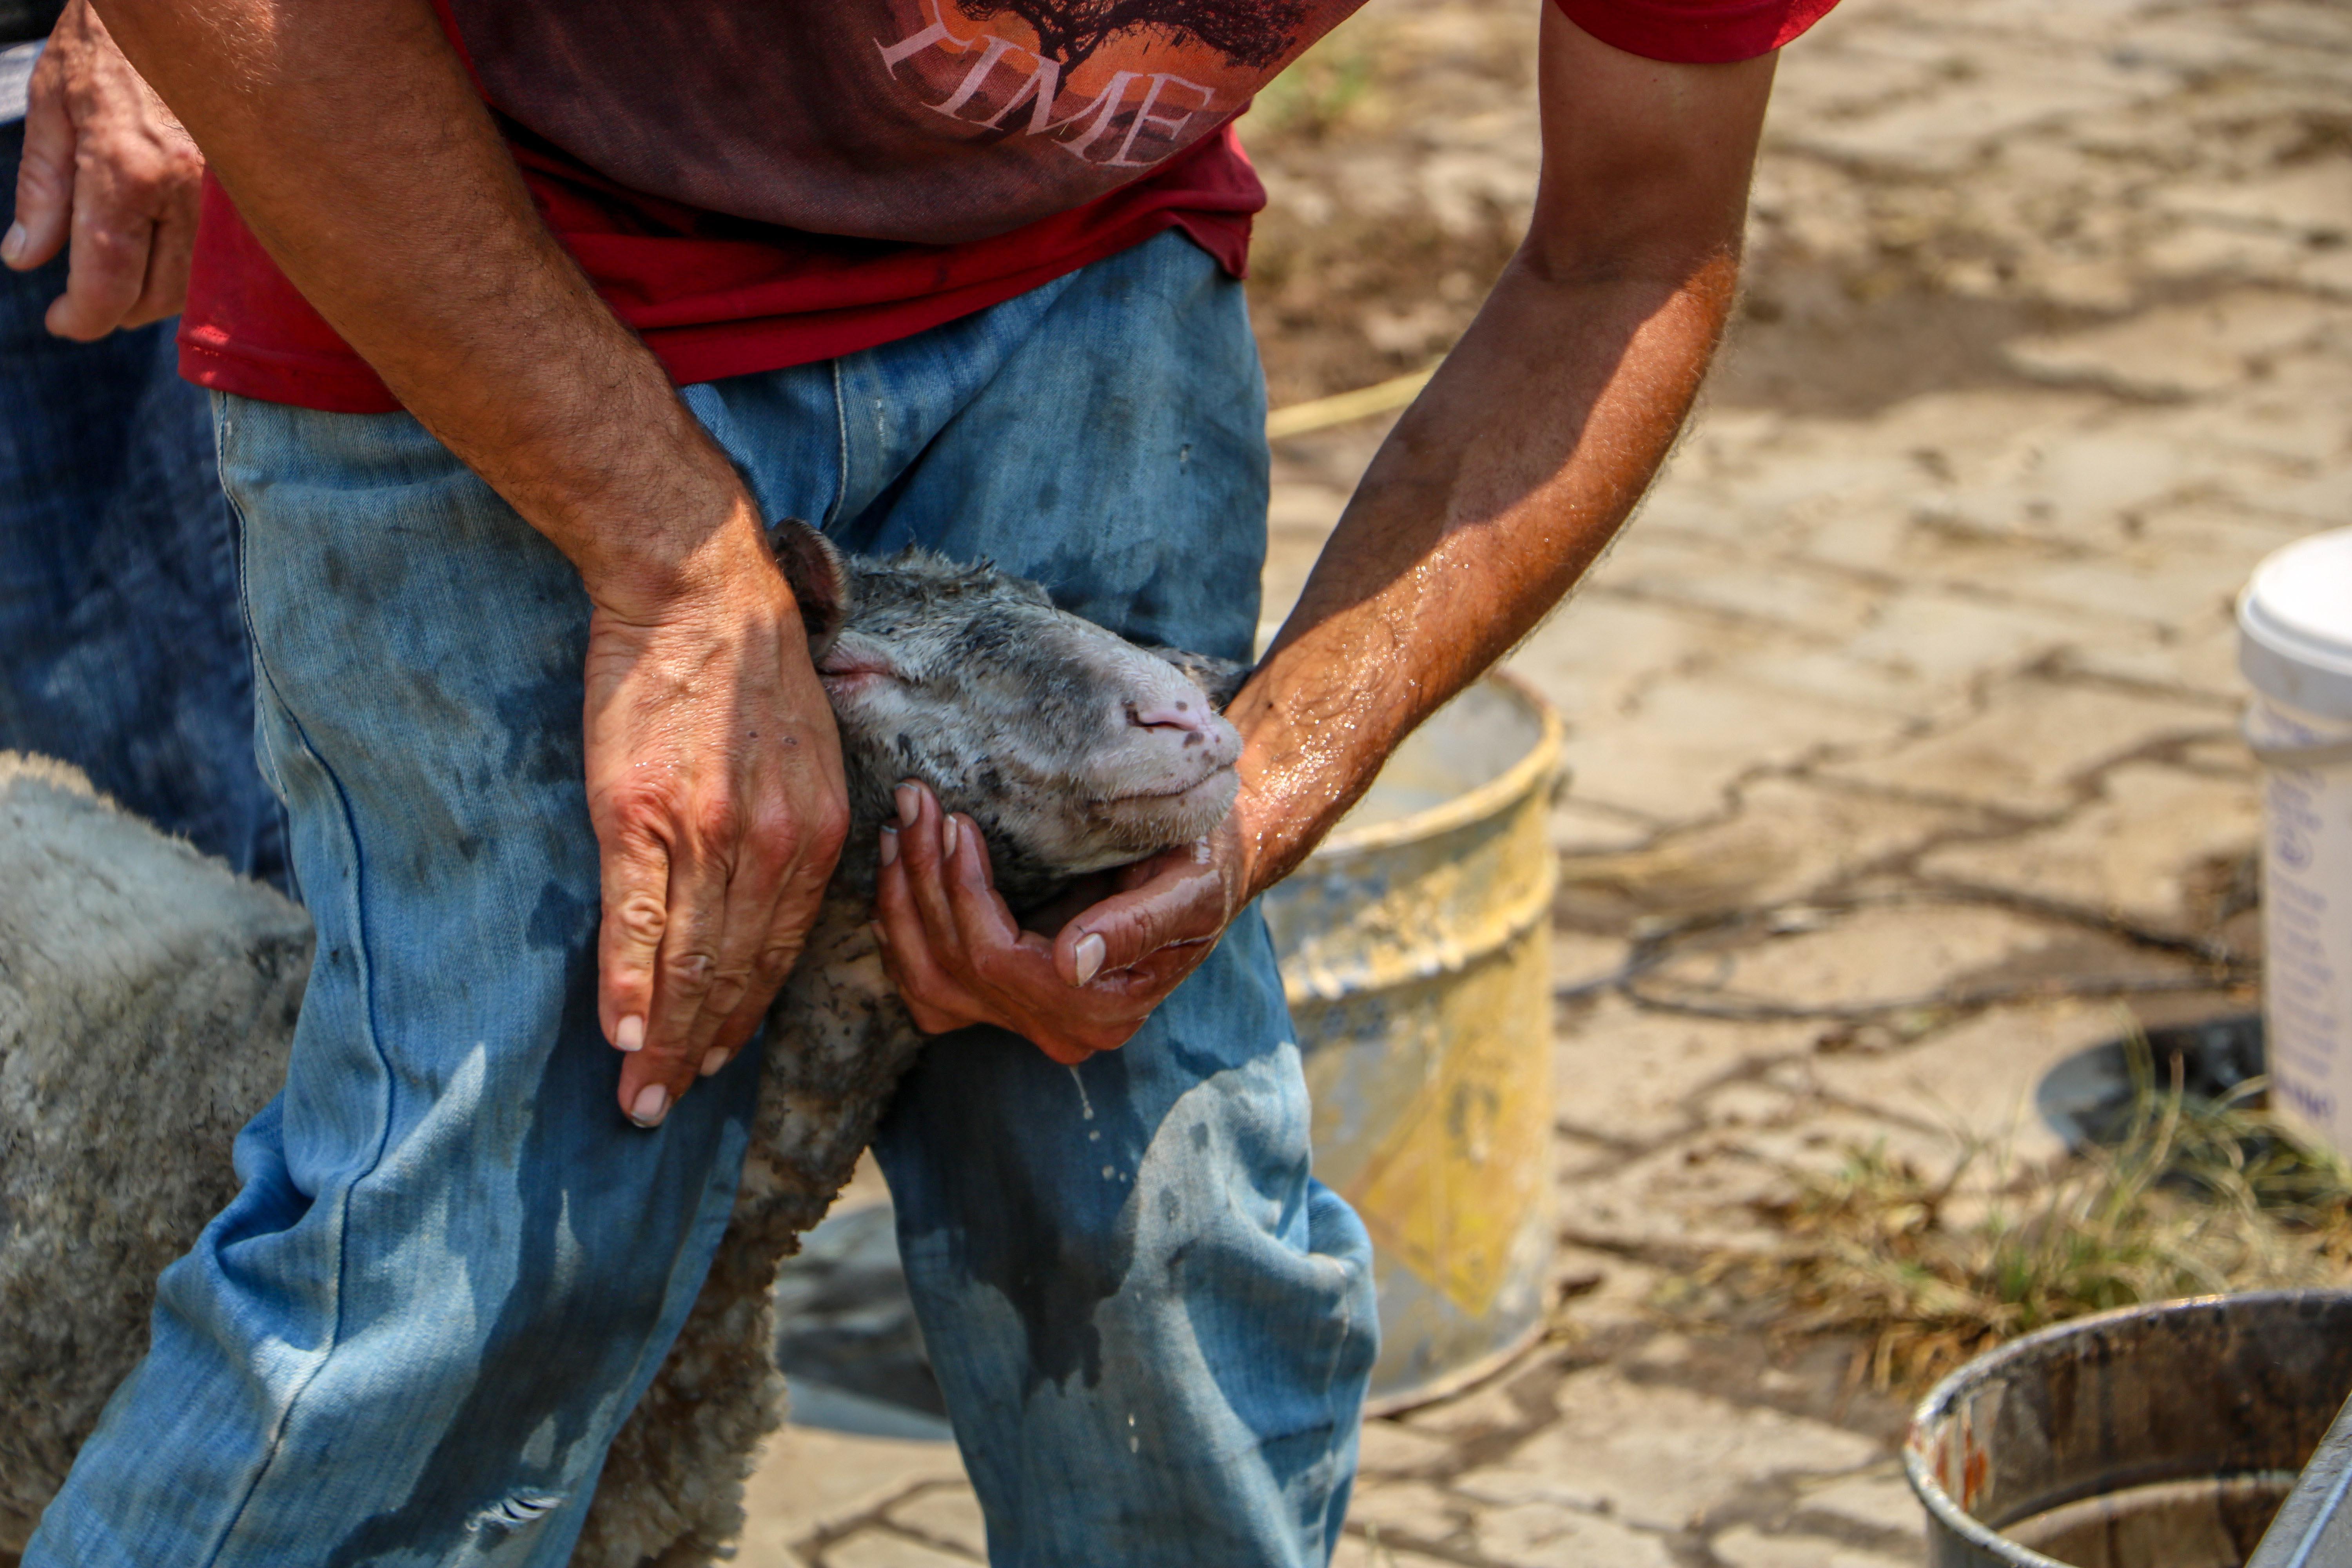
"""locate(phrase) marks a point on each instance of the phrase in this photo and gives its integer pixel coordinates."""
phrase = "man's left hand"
(958, 956)
(107, 167)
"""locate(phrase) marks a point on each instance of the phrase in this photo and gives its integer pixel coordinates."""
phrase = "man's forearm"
(359, 155)
(1497, 489)
(1510, 474)
(355, 148)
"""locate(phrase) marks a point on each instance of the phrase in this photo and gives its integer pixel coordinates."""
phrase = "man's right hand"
(715, 784)
(357, 152)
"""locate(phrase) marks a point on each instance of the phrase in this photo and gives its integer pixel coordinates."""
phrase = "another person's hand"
(959, 957)
(107, 168)
(715, 784)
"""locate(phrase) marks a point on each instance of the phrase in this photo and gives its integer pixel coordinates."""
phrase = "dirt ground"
(1903, 719)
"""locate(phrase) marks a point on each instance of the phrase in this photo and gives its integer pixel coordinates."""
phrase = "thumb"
(1180, 905)
(45, 180)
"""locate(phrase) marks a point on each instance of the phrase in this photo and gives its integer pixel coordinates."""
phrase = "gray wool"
(148, 998)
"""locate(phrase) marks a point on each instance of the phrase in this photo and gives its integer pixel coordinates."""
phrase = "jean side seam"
(841, 435)
(265, 757)
(265, 677)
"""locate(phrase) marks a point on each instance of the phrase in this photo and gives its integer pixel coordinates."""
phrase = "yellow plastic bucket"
(1415, 952)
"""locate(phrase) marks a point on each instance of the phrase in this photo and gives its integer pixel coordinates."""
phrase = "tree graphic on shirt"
(1246, 32)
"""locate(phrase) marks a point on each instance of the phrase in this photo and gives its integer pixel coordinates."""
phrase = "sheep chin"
(1187, 814)
(1132, 827)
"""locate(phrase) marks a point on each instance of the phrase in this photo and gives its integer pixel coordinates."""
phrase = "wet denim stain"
(543, 1345)
(435, 710)
(563, 919)
(540, 723)
(1042, 1230)
(1148, 604)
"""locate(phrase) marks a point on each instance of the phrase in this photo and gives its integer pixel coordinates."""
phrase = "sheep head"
(1073, 749)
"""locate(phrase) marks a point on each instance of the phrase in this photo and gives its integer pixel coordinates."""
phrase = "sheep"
(147, 999)
(128, 962)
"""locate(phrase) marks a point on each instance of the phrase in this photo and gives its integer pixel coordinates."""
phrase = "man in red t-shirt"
(527, 318)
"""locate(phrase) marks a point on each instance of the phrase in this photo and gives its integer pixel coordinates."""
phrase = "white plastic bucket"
(2295, 645)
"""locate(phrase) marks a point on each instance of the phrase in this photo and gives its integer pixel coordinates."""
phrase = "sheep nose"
(1181, 713)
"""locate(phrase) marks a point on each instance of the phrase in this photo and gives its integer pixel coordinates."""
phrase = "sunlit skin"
(107, 168)
(361, 158)
(1495, 492)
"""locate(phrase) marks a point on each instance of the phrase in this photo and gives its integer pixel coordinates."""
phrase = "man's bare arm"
(357, 152)
(1513, 470)
(1495, 491)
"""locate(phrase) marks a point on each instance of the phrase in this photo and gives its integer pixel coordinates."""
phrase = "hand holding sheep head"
(1000, 751)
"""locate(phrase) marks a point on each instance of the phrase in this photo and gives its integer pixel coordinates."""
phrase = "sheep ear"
(818, 575)
(1222, 679)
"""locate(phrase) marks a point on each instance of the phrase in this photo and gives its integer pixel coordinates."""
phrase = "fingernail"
(1091, 951)
(713, 1060)
(631, 1034)
(948, 838)
(652, 1104)
(909, 804)
(12, 245)
(889, 844)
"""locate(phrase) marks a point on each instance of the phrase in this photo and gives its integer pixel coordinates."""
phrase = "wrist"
(1293, 794)
(645, 569)
(1264, 845)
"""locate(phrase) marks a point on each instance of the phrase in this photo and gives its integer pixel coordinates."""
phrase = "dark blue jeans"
(121, 650)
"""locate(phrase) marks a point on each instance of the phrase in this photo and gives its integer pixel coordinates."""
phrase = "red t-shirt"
(750, 188)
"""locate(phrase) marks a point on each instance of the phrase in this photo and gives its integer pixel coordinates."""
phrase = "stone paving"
(1903, 721)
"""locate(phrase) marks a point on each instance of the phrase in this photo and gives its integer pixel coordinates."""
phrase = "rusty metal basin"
(2160, 1437)
(1415, 953)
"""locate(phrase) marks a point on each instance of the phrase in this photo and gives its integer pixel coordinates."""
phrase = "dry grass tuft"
(2198, 1195)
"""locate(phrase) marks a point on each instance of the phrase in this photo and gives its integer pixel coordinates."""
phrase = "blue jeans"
(120, 650)
(453, 1266)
